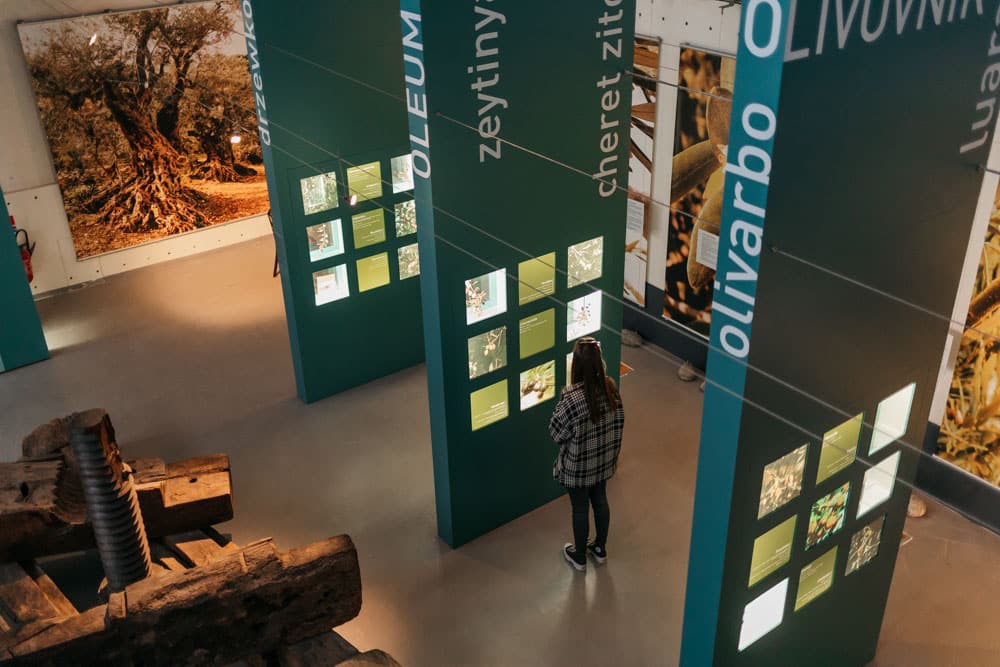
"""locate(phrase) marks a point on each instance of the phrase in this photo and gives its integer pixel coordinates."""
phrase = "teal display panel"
(819, 385)
(518, 249)
(21, 339)
(328, 80)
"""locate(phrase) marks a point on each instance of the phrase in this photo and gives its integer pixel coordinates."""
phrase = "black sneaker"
(597, 553)
(569, 553)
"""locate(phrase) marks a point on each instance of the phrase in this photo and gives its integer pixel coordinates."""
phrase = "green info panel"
(819, 384)
(340, 177)
(21, 339)
(512, 245)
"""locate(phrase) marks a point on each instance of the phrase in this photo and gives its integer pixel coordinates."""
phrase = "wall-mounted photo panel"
(369, 228)
(402, 173)
(365, 180)
(585, 262)
(816, 578)
(772, 550)
(325, 240)
(782, 481)
(409, 261)
(331, 284)
(487, 352)
(538, 385)
(827, 516)
(878, 484)
(840, 447)
(583, 316)
(865, 545)
(319, 193)
(373, 272)
(537, 333)
(536, 278)
(636, 251)
(763, 614)
(406, 218)
(125, 178)
(489, 405)
(569, 369)
(892, 418)
(485, 296)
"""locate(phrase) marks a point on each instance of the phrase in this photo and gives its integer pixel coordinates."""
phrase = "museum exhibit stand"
(21, 339)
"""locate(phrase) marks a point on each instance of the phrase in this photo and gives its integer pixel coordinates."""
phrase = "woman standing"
(587, 425)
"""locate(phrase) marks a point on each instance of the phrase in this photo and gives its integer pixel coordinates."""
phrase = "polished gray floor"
(192, 357)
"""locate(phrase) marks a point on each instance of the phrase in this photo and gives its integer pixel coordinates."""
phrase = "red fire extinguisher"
(26, 247)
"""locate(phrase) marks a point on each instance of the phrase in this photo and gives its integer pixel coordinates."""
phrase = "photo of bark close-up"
(151, 121)
(970, 428)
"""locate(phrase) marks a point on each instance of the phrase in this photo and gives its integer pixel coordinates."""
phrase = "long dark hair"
(588, 368)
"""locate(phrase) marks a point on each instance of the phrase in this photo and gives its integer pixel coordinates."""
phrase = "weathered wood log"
(240, 604)
(42, 515)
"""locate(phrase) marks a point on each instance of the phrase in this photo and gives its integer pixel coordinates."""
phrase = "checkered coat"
(588, 452)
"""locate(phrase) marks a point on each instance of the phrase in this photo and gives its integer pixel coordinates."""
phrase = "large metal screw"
(111, 500)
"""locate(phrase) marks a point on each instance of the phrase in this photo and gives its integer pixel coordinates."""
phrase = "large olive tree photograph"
(150, 119)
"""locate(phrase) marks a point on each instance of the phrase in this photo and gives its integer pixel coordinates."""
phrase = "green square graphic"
(771, 550)
(487, 352)
(365, 180)
(409, 261)
(536, 278)
(489, 405)
(373, 272)
(816, 578)
(840, 446)
(319, 193)
(537, 333)
(369, 228)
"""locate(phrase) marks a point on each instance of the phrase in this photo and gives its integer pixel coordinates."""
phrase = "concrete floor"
(192, 357)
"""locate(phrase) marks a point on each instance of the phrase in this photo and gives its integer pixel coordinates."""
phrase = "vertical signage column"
(328, 84)
(819, 384)
(21, 339)
(519, 118)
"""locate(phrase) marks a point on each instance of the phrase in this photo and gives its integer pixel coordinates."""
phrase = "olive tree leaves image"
(150, 119)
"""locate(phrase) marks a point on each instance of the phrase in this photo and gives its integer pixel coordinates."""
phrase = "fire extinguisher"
(26, 247)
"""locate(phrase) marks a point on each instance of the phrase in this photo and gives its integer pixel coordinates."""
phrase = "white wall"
(28, 178)
(697, 23)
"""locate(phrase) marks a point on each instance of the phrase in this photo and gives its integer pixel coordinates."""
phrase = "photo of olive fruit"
(538, 385)
(487, 352)
(827, 515)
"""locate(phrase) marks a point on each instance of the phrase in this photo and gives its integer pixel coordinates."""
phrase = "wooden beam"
(240, 604)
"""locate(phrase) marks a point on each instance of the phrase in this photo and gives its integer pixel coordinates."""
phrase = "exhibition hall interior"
(311, 355)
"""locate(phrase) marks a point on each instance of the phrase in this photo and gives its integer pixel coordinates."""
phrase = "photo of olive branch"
(538, 385)
(782, 481)
(487, 352)
(865, 545)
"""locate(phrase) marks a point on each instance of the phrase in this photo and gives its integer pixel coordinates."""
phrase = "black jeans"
(581, 499)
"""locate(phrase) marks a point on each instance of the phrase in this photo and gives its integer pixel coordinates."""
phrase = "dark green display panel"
(329, 83)
(21, 339)
(489, 90)
(867, 168)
